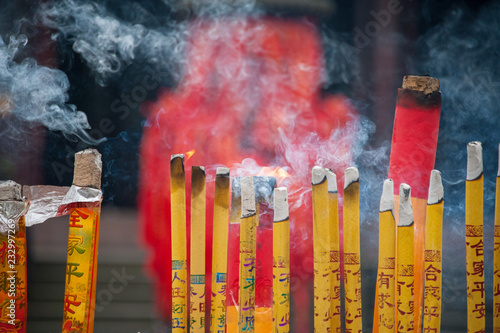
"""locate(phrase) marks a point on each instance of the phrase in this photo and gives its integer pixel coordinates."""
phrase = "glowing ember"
(190, 153)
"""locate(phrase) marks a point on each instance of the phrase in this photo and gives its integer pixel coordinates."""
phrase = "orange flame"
(189, 154)
(279, 173)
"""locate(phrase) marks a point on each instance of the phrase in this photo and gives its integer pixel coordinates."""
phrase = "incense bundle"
(386, 260)
(281, 262)
(496, 255)
(352, 262)
(405, 259)
(433, 254)
(248, 244)
(219, 258)
(179, 249)
(333, 221)
(198, 222)
(474, 238)
(321, 245)
(413, 153)
(13, 294)
(83, 241)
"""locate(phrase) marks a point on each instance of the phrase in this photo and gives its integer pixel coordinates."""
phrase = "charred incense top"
(247, 197)
(318, 175)
(425, 84)
(280, 204)
(351, 176)
(10, 191)
(223, 171)
(436, 191)
(88, 169)
(474, 160)
(332, 181)
(405, 208)
(387, 198)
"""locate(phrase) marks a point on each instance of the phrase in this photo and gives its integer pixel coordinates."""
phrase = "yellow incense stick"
(13, 294)
(321, 245)
(433, 255)
(198, 225)
(474, 238)
(179, 249)
(233, 257)
(405, 263)
(333, 221)
(248, 248)
(83, 241)
(496, 256)
(281, 262)
(385, 300)
(219, 257)
(352, 261)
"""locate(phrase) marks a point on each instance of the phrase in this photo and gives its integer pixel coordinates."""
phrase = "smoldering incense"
(179, 248)
(281, 262)
(321, 248)
(405, 261)
(83, 241)
(198, 225)
(433, 253)
(219, 246)
(474, 237)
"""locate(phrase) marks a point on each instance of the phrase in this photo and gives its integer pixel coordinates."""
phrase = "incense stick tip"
(474, 160)
(436, 191)
(88, 169)
(280, 204)
(318, 175)
(423, 83)
(351, 175)
(10, 191)
(331, 178)
(173, 157)
(223, 171)
(405, 208)
(387, 198)
(247, 197)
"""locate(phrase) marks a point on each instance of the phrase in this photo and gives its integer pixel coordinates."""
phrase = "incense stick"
(321, 245)
(219, 257)
(281, 262)
(333, 221)
(248, 237)
(352, 260)
(197, 274)
(474, 238)
(405, 262)
(385, 300)
(13, 294)
(179, 255)
(83, 241)
(433, 254)
(496, 254)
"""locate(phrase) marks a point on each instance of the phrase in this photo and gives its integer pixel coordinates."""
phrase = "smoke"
(109, 45)
(36, 94)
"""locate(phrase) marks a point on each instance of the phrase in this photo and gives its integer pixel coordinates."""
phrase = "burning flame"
(189, 154)
(279, 173)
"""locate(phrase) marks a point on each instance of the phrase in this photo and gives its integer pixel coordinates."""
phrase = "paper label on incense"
(81, 268)
(13, 302)
(248, 235)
